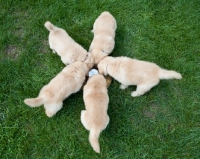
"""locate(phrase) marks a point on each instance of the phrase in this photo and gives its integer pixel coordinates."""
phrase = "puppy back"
(49, 26)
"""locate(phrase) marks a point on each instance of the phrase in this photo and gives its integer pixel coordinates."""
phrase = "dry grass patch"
(44, 47)
(12, 52)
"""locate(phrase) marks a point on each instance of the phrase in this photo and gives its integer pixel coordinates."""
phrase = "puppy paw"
(49, 114)
(83, 111)
(123, 86)
(135, 94)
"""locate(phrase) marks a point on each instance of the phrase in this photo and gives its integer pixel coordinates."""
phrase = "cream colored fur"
(135, 72)
(67, 82)
(104, 36)
(95, 118)
(69, 50)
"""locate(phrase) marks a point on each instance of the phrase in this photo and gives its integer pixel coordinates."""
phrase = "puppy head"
(89, 61)
(102, 67)
(96, 80)
(101, 80)
(98, 55)
(81, 65)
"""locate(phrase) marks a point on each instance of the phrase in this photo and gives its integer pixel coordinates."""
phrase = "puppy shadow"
(119, 48)
(72, 106)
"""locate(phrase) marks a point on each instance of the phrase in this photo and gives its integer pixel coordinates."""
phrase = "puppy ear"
(99, 67)
(101, 71)
(103, 68)
(89, 61)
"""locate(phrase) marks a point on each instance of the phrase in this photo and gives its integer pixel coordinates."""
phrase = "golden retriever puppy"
(69, 50)
(95, 118)
(135, 72)
(104, 36)
(67, 82)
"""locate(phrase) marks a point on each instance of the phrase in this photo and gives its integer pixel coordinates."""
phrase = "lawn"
(163, 123)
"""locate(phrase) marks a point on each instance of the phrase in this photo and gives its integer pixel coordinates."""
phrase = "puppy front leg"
(65, 60)
(52, 109)
(52, 48)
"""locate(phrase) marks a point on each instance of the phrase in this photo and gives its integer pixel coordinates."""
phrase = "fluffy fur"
(69, 50)
(104, 36)
(135, 72)
(68, 81)
(95, 118)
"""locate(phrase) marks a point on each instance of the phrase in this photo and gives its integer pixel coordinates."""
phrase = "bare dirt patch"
(19, 32)
(11, 52)
(21, 18)
(44, 46)
(151, 111)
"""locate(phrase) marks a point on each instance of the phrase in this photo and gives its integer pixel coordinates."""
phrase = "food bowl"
(108, 79)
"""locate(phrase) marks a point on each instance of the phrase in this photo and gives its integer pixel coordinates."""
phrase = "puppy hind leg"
(83, 119)
(107, 122)
(93, 27)
(122, 86)
(66, 60)
(52, 48)
(142, 89)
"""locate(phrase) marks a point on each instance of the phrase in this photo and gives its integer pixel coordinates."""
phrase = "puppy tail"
(34, 102)
(50, 26)
(94, 139)
(169, 74)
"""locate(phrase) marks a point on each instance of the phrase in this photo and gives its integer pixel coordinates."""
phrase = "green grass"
(164, 123)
